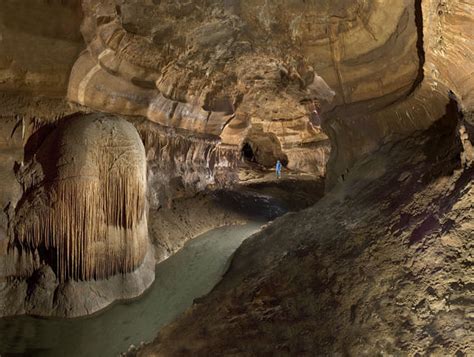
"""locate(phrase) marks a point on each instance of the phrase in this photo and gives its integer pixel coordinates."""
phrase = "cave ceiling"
(249, 71)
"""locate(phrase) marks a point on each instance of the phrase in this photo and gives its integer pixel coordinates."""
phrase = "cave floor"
(380, 265)
(258, 174)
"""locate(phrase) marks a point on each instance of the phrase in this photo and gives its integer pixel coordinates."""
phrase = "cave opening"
(248, 153)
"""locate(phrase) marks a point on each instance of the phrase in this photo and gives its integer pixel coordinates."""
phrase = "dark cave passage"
(248, 153)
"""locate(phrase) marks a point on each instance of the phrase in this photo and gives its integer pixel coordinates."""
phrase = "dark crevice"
(247, 153)
(419, 45)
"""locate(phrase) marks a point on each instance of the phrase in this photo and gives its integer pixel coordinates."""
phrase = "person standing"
(278, 169)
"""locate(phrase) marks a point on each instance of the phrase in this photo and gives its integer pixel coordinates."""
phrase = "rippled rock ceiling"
(243, 70)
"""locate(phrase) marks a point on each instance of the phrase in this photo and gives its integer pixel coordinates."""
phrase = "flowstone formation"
(86, 199)
(83, 215)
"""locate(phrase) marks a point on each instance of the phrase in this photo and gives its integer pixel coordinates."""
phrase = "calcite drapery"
(84, 211)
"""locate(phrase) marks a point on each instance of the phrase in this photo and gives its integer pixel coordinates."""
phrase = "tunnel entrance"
(247, 153)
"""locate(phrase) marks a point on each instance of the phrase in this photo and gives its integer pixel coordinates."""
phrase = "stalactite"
(176, 148)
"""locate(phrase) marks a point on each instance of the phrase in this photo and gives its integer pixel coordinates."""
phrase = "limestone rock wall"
(196, 68)
(39, 42)
(247, 71)
(444, 47)
(449, 49)
(364, 50)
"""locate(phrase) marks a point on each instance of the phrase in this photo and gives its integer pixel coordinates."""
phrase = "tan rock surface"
(39, 43)
(381, 265)
(445, 50)
(195, 68)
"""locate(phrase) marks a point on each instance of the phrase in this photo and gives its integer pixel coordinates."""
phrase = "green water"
(189, 274)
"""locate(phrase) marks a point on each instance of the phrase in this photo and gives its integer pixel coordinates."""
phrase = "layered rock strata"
(197, 70)
(444, 47)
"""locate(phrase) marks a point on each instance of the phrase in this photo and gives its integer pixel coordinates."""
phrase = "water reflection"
(189, 274)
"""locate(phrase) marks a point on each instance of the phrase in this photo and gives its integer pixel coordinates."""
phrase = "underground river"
(189, 274)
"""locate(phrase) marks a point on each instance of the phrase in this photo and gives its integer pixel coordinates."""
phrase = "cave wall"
(198, 69)
(449, 49)
(444, 46)
(39, 42)
(212, 68)
(215, 71)
(364, 50)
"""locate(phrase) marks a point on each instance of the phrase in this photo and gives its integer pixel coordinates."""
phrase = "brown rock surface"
(39, 42)
(381, 265)
(239, 71)
(196, 68)
(445, 49)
